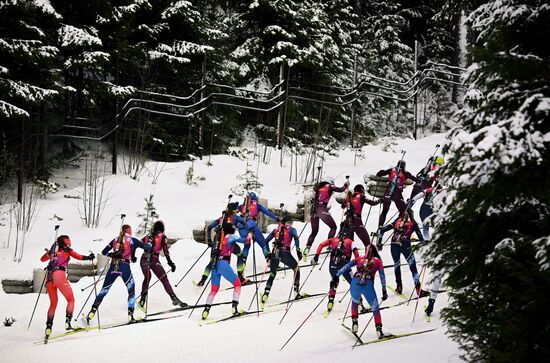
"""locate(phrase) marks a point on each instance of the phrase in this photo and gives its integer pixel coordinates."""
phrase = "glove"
(248, 239)
(277, 219)
(209, 242)
(268, 257)
(380, 200)
(299, 253)
(133, 259)
(343, 205)
(91, 256)
(172, 266)
(117, 254)
(384, 294)
(315, 260)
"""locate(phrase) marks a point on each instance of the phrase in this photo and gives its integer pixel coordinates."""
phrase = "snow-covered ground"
(249, 338)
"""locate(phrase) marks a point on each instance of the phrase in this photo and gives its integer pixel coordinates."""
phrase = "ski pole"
(325, 260)
(306, 319)
(302, 231)
(419, 293)
(291, 288)
(95, 290)
(202, 293)
(300, 289)
(106, 268)
(255, 277)
(38, 298)
(414, 290)
(193, 265)
(92, 284)
(347, 309)
(153, 284)
(258, 286)
(342, 299)
(56, 229)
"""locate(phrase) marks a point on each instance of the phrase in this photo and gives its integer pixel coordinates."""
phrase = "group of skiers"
(239, 225)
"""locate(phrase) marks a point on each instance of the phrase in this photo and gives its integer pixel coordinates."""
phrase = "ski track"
(183, 207)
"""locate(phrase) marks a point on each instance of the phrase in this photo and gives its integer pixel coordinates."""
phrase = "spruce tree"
(26, 59)
(493, 221)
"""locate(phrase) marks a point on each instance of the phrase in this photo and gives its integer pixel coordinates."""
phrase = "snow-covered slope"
(245, 339)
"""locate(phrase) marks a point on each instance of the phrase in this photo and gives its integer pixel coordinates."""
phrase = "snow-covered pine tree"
(116, 29)
(83, 60)
(27, 85)
(26, 58)
(299, 35)
(385, 55)
(493, 221)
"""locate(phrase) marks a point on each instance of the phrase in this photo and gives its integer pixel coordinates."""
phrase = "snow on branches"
(9, 111)
(27, 92)
(70, 36)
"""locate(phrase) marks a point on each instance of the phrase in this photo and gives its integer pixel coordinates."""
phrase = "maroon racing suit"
(356, 206)
(394, 192)
(321, 211)
(150, 262)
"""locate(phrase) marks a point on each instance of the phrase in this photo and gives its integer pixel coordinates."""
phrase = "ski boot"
(306, 253)
(423, 293)
(330, 303)
(378, 238)
(379, 331)
(90, 315)
(354, 325)
(68, 319)
(177, 302)
(131, 318)
(244, 280)
(419, 292)
(399, 287)
(202, 281)
(235, 307)
(206, 311)
(430, 307)
(265, 296)
(142, 302)
(48, 331)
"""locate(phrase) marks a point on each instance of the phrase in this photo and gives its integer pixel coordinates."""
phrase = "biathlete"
(230, 216)
(120, 253)
(282, 237)
(250, 210)
(363, 284)
(428, 176)
(222, 267)
(340, 248)
(403, 228)
(355, 208)
(397, 178)
(322, 197)
(150, 262)
(59, 256)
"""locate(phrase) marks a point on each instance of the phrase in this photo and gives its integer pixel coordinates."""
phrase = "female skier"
(59, 255)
